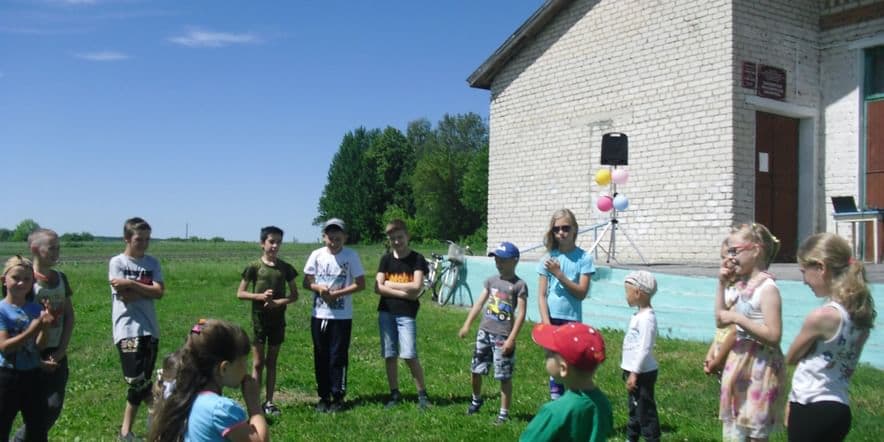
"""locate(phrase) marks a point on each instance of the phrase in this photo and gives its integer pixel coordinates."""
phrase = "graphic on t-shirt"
(334, 277)
(139, 275)
(500, 306)
(399, 277)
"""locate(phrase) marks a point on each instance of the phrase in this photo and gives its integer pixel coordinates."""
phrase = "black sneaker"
(270, 409)
(336, 406)
(423, 401)
(395, 398)
(475, 405)
(322, 406)
(501, 419)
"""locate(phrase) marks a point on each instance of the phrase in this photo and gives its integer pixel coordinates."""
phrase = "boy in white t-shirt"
(638, 363)
(333, 273)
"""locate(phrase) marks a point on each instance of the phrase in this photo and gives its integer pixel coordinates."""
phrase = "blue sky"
(218, 115)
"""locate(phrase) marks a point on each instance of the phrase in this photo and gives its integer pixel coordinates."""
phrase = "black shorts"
(138, 356)
(824, 421)
(267, 330)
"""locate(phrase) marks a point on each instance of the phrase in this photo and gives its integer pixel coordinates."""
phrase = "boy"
(638, 363)
(333, 273)
(399, 281)
(496, 339)
(136, 282)
(573, 353)
(267, 278)
(52, 286)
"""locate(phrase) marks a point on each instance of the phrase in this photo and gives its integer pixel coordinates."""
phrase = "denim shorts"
(489, 349)
(398, 335)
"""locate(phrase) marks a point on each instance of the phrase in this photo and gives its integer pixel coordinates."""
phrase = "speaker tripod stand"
(611, 227)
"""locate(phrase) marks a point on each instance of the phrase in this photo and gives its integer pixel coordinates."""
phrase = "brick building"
(735, 110)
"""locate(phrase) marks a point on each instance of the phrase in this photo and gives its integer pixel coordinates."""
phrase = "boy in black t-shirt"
(399, 282)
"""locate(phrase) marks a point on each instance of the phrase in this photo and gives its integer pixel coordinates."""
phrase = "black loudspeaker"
(615, 149)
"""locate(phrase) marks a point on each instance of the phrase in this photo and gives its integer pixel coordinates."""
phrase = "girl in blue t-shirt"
(22, 326)
(565, 272)
(215, 356)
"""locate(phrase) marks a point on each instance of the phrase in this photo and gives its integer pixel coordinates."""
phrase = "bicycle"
(444, 273)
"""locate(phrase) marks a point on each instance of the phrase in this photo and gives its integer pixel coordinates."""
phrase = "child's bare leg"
(506, 393)
(477, 385)
(128, 417)
(392, 366)
(417, 372)
(257, 361)
(272, 356)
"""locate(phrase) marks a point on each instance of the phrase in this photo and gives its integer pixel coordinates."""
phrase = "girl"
(214, 357)
(564, 277)
(22, 334)
(830, 342)
(725, 337)
(753, 374)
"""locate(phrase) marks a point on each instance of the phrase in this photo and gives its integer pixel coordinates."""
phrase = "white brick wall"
(668, 75)
(660, 72)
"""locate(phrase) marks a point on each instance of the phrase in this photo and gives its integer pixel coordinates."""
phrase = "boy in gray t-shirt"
(503, 301)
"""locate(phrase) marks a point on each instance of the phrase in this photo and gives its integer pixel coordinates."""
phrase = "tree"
(5, 235)
(23, 229)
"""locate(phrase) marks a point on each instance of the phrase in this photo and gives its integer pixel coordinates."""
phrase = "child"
(214, 358)
(573, 353)
(399, 281)
(263, 282)
(136, 282)
(753, 375)
(333, 273)
(564, 277)
(725, 337)
(52, 286)
(637, 361)
(830, 342)
(496, 340)
(24, 329)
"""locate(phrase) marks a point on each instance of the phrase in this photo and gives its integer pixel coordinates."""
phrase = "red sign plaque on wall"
(771, 82)
(747, 77)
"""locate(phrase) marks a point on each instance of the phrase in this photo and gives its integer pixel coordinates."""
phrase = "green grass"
(201, 280)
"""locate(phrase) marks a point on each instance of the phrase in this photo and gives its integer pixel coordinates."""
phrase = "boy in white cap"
(638, 363)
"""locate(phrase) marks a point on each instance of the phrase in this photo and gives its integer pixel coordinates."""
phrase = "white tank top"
(824, 373)
(750, 307)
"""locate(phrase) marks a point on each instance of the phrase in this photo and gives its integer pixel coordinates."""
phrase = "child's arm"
(510, 342)
(542, 306)
(821, 323)
(474, 312)
(769, 331)
(381, 287)
(130, 290)
(293, 292)
(725, 274)
(35, 328)
(579, 289)
(724, 349)
(413, 288)
(257, 430)
(66, 331)
(358, 285)
(243, 293)
(320, 289)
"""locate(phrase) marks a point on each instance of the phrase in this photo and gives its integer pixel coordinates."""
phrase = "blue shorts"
(489, 348)
(398, 335)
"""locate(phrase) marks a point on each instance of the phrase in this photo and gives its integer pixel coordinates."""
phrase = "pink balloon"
(619, 176)
(604, 203)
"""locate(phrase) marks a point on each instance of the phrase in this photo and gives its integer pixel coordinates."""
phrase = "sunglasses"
(557, 229)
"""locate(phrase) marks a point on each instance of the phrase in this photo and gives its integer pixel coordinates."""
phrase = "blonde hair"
(549, 238)
(848, 284)
(760, 235)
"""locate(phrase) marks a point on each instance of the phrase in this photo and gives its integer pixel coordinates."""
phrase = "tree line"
(434, 178)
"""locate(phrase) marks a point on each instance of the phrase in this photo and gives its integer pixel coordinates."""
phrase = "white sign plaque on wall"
(763, 162)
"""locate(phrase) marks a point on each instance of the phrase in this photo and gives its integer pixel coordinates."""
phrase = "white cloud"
(197, 38)
(102, 56)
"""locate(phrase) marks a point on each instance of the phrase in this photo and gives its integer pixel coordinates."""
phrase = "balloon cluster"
(605, 201)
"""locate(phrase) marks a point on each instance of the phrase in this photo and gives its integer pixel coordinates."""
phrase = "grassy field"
(201, 279)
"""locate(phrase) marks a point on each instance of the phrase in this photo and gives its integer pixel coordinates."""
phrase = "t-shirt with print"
(401, 270)
(562, 304)
(14, 320)
(213, 417)
(139, 317)
(56, 295)
(500, 308)
(334, 271)
(261, 277)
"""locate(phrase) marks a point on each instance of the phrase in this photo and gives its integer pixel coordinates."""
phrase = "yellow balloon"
(603, 177)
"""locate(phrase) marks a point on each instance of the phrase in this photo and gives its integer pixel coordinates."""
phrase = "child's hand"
(48, 365)
(463, 331)
(47, 318)
(508, 347)
(727, 317)
(267, 296)
(552, 266)
(631, 382)
(707, 366)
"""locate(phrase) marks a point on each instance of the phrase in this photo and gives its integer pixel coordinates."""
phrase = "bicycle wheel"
(449, 284)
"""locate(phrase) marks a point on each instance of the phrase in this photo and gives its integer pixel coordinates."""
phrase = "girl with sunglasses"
(565, 272)
(830, 342)
(752, 379)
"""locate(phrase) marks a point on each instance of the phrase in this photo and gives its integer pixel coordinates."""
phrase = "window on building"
(875, 72)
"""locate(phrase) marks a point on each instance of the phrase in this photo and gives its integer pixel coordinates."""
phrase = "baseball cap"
(336, 222)
(505, 250)
(642, 280)
(579, 344)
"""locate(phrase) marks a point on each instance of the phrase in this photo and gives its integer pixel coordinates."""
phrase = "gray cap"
(642, 280)
(336, 222)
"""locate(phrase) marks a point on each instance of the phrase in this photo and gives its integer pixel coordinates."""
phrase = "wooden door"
(874, 169)
(776, 180)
